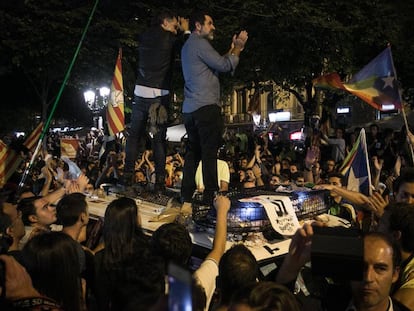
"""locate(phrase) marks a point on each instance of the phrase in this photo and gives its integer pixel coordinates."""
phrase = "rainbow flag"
(376, 83)
(115, 111)
(355, 167)
(329, 81)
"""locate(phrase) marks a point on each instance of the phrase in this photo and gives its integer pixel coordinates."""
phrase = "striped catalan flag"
(31, 141)
(115, 111)
(9, 161)
(376, 83)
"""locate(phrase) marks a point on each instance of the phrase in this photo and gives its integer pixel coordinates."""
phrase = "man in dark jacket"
(157, 49)
(381, 266)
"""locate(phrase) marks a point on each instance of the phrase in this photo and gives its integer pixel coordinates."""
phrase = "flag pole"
(407, 129)
(402, 108)
(62, 87)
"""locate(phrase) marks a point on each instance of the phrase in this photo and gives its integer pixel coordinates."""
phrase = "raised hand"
(240, 40)
(377, 163)
(222, 204)
(299, 254)
(312, 156)
(82, 182)
(377, 203)
(183, 24)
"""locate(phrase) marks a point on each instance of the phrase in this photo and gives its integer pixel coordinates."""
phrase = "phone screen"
(179, 289)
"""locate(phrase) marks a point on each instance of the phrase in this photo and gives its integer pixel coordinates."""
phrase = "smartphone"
(179, 288)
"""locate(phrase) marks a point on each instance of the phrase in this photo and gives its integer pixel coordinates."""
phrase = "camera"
(337, 253)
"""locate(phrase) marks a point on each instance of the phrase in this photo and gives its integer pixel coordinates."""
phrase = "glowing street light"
(104, 91)
(97, 100)
(89, 96)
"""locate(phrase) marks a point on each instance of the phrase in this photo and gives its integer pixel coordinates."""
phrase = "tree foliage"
(290, 42)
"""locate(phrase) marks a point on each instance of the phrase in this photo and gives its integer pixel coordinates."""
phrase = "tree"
(39, 40)
(291, 42)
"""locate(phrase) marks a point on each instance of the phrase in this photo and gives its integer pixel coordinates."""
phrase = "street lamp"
(97, 100)
(89, 96)
(104, 91)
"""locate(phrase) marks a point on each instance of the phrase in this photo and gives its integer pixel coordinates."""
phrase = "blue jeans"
(205, 130)
(137, 133)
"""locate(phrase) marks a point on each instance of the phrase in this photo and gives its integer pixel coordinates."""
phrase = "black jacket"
(157, 49)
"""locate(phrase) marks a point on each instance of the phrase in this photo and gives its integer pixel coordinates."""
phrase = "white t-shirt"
(223, 174)
(206, 276)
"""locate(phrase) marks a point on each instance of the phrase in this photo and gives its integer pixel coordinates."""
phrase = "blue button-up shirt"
(201, 65)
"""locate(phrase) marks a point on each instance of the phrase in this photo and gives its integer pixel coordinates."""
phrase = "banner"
(279, 210)
(69, 147)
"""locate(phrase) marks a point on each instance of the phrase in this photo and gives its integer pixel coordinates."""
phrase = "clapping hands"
(240, 40)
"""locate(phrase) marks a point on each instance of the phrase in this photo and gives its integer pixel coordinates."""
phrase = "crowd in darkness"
(251, 159)
(128, 268)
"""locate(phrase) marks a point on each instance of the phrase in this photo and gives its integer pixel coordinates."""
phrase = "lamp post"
(89, 96)
(104, 92)
(96, 101)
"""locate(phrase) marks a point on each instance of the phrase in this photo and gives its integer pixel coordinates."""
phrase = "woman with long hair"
(52, 261)
(125, 268)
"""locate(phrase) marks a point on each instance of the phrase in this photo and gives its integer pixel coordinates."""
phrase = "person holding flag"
(157, 48)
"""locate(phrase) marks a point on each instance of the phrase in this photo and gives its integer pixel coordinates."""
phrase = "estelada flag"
(355, 167)
(9, 161)
(375, 84)
(115, 110)
(31, 141)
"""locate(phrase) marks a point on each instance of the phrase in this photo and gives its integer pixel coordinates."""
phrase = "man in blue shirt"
(201, 108)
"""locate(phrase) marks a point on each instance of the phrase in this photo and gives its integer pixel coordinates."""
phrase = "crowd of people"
(43, 225)
(128, 268)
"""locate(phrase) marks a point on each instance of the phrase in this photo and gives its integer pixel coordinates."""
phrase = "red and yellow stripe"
(115, 112)
(31, 141)
(9, 161)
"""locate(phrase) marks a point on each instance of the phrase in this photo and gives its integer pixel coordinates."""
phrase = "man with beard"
(201, 108)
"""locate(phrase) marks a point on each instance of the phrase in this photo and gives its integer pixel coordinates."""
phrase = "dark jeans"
(204, 129)
(137, 132)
